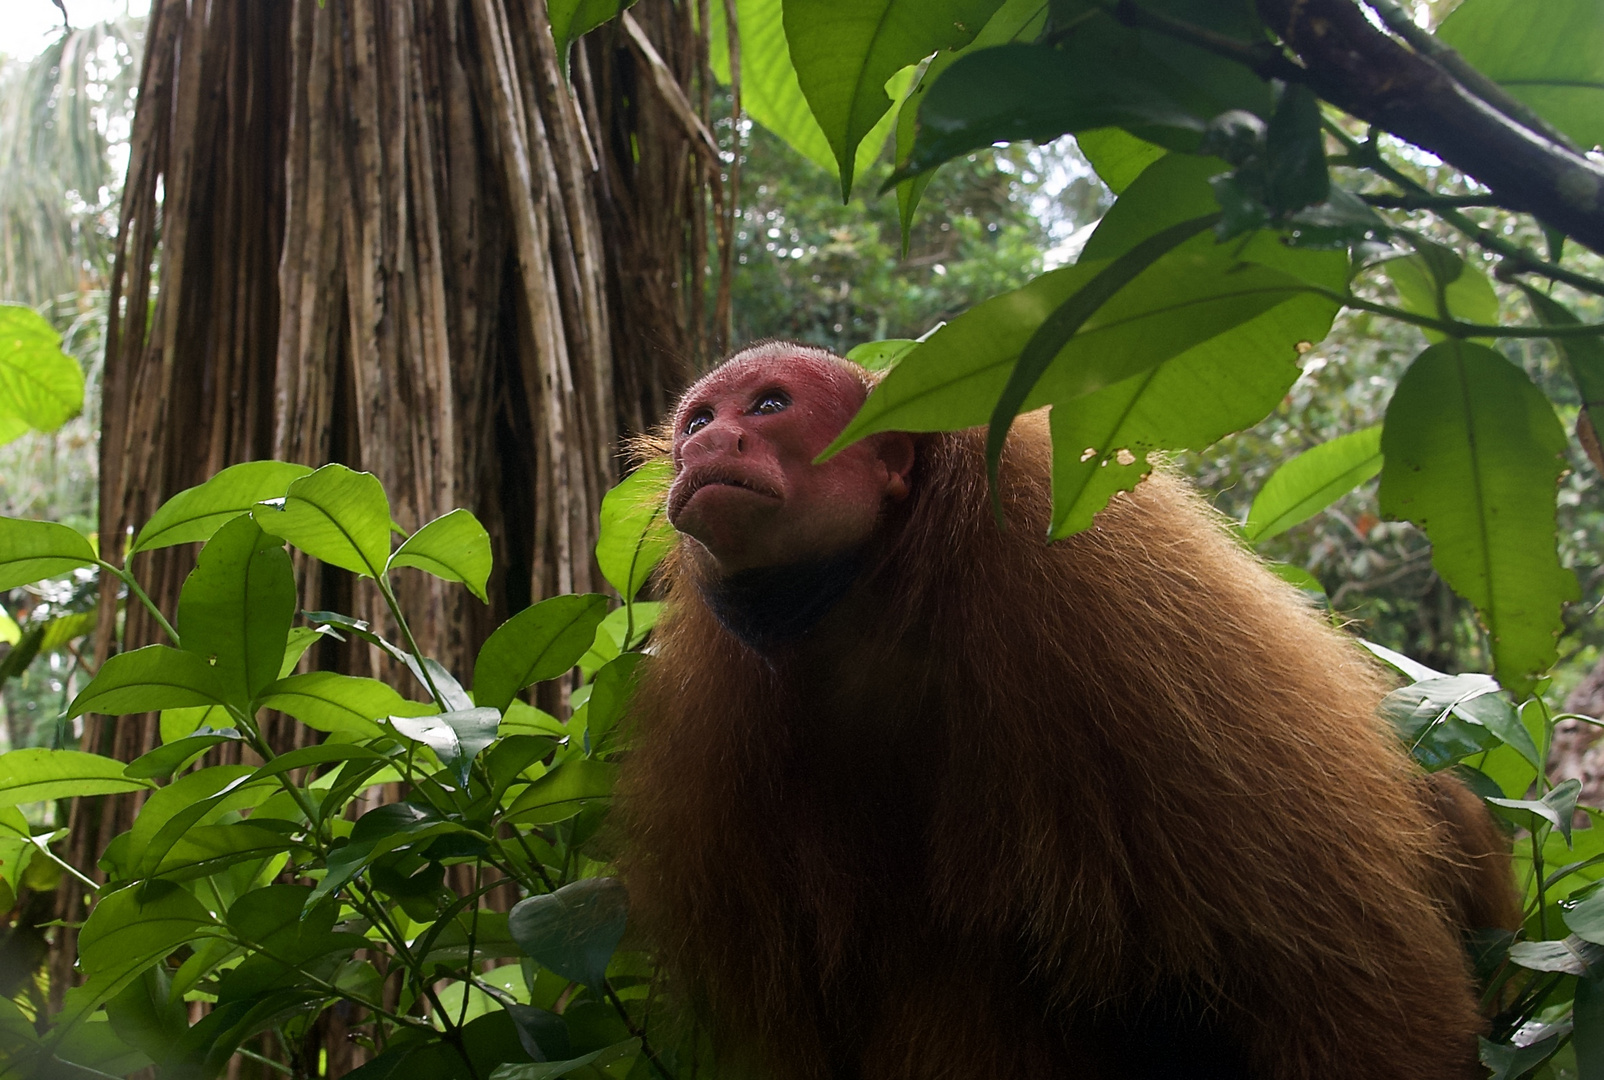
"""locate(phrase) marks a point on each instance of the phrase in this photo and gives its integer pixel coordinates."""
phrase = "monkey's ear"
(895, 451)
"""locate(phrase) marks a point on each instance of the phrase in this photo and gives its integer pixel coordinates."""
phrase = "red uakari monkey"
(912, 796)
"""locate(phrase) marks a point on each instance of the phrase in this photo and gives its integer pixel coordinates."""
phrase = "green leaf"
(1443, 286)
(236, 608)
(549, 1070)
(1473, 456)
(770, 93)
(456, 737)
(163, 761)
(1016, 92)
(1587, 1016)
(33, 550)
(59, 631)
(1224, 384)
(563, 792)
(336, 515)
(454, 547)
(37, 774)
(1510, 1062)
(1312, 481)
(571, 19)
(127, 932)
(1585, 917)
(1015, 20)
(148, 680)
(332, 702)
(39, 384)
(179, 723)
(1583, 355)
(881, 355)
(173, 810)
(575, 930)
(845, 54)
(1295, 172)
(635, 533)
(1554, 64)
(1065, 321)
(196, 513)
(539, 643)
(610, 695)
(320, 754)
(203, 850)
(1118, 156)
(1555, 808)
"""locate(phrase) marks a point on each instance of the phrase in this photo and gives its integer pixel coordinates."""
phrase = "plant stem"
(1455, 328)
(412, 642)
(127, 578)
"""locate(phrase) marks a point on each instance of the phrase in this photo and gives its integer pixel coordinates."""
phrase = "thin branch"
(1368, 155)
(1410, 200)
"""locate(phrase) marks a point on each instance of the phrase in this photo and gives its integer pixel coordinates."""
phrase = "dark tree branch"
(1358, 68)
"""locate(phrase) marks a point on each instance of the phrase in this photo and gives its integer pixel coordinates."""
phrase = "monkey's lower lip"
(684, 495)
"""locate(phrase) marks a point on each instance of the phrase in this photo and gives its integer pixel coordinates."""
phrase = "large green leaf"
(126, 933)
(453, 546)
(1102, 442)
(1445, 281)
(563, 792)
(574, 930)
(39, 384)
(336, 515)
(172, 810)
(1097, 73)
(1550, 57)
(1307, 484)
(1118, 156)
(148, 680)
(329, 701)
(38, 774)
(1015, 20)
(539, 643)
(236, 608)
(635, 533)
(33, 550)
(1473, 454)
(770, 93)
(845, 53)
(195, 513)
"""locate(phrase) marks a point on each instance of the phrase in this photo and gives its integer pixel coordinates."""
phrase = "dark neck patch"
(776, 605)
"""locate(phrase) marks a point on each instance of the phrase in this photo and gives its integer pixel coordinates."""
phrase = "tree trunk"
(390, 234)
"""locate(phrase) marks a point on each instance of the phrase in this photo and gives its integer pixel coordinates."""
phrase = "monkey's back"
(1015, 807)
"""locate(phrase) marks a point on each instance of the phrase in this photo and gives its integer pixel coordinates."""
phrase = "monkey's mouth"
(692, 481)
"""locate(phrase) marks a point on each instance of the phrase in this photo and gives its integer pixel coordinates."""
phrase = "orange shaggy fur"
(1009, 793)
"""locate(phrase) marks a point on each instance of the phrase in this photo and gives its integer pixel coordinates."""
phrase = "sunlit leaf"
(148, 680)
(39, 384)
(455, 737)
(1307, 484)
(1554, 64)
(844, 55)
(563, 792)
(635, 533)
(337, 515)
(31, 551)
(236, 607)
(195, 513)
(332, 702)
(1473, 456)
(1118, 156)
(454, 547)
(540, 642)
(37, 774)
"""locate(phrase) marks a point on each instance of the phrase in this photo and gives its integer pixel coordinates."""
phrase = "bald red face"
(745, 486)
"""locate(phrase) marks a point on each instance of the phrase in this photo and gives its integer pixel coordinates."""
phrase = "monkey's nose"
(714, 441)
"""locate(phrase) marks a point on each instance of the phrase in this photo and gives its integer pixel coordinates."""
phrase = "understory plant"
(248, 899)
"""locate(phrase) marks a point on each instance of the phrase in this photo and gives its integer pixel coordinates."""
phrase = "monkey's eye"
(771, 401)
(698, 420)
